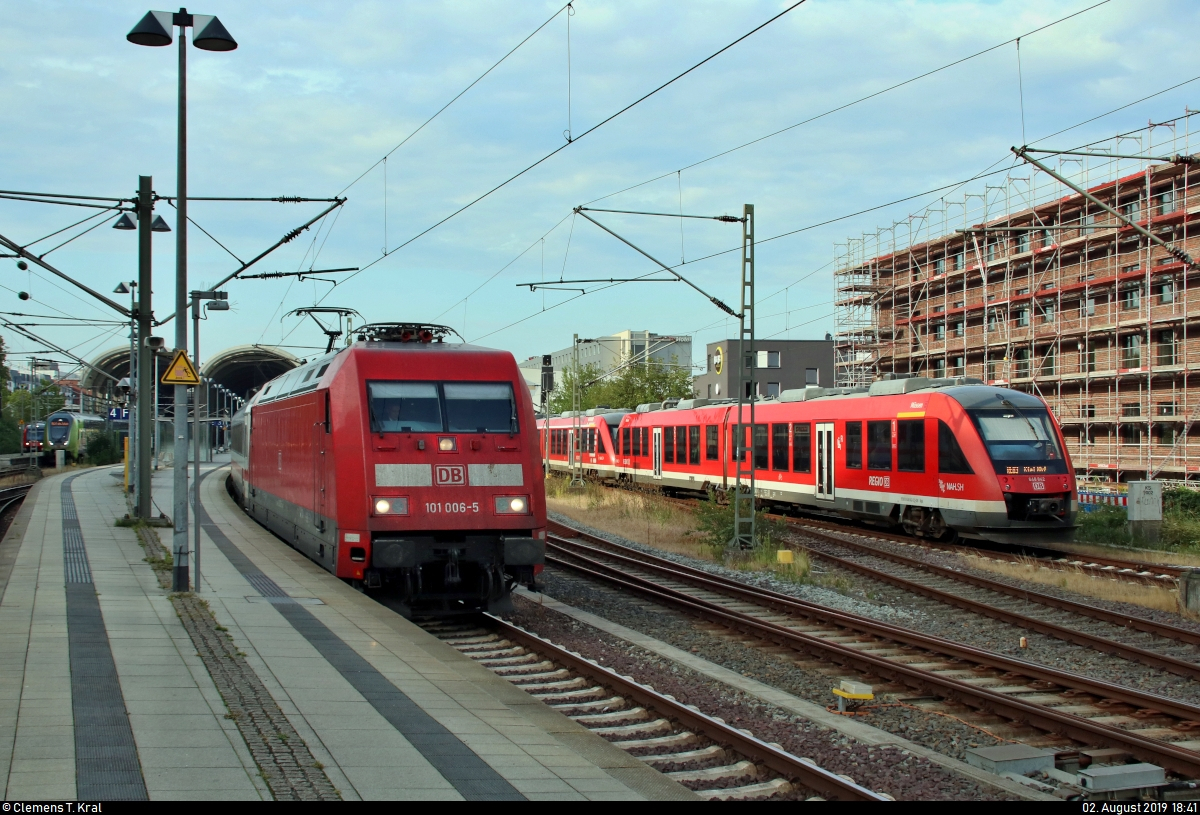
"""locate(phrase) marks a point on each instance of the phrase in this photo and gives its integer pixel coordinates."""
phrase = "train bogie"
(939, 458)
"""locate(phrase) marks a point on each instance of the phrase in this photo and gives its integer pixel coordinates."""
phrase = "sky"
(317, 94)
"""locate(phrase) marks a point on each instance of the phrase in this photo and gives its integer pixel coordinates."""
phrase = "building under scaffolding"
(1029, 285)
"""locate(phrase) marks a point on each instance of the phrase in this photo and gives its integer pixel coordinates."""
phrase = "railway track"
(1163, 646)
(11, 495)
(715, 760)
(1114, 568)
(1089, 712)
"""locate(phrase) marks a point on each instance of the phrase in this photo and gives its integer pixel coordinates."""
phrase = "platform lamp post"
(217, 302)
(131, 395)
(157, 29)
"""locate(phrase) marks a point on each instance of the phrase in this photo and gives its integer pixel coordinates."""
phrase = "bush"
(715, 524)
(1181, 501)
(1104, 524)
(104, 448)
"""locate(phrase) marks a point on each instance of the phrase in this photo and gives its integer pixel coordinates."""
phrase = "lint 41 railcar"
(589, 440)
(33, 437)
(940, 458)
(407, 466)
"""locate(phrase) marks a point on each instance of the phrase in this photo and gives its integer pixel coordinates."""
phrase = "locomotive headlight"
(447, 444)
(391, 506)
(512, 505)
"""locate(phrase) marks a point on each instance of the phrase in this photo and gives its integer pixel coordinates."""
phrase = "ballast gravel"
(884, 769)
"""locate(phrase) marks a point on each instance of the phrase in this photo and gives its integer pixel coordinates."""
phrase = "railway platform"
(274, 680)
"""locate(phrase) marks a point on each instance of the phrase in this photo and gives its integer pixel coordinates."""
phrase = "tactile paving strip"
(106, 760)
(470, 775)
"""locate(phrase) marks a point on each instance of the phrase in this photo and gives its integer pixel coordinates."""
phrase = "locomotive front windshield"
(60, 430)
(442, 407)
(34, 432)
(1020, 441)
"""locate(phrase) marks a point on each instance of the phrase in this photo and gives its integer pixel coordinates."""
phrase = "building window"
(1049, 361)
(1131, 351)
(1021, 369)
(812, 376)
(801, 448)
(879, 445)
(1131, 410)
(1087, 411)
(1048, 311)
(1131, 434)
(1090, 224)
(910, 445)
(1089, 307)
(959, 260)
(1168, 408)
(1166, 292)
(1022, 319)
(1167, 349)
(937, 367)
(939, 331)
(1088, 361)
(993, 319)
(939, 266)
(1166, 435)
(1132, 210)
(1131, 269)
(992, 369)
(959, 367)
(854, 445)
(1166, 202)
(1131, 298)
(772, 390)
(749, 361)
(772, 359)
(959, 329)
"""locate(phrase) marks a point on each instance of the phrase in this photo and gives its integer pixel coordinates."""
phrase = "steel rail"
(1185, 762)
(782, 762)
(1083, 609)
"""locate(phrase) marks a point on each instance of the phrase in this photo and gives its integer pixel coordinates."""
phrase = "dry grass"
(634, 516)
(1102, 588)
(19, 480)
(1169, 558)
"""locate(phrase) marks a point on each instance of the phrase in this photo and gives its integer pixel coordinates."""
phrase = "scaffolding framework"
(1028, 285)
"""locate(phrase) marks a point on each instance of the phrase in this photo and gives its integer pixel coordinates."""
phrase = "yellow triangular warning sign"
(181, 371)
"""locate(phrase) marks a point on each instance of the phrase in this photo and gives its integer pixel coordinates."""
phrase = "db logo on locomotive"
(450, 475)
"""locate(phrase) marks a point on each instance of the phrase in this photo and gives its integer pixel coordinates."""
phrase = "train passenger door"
(657, 458)
(825, 461)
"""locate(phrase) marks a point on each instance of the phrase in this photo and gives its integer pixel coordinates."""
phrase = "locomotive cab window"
(854, 445)
(480, 407)
(879, 445)
(405, 407)
(910, 445)
(951, 459)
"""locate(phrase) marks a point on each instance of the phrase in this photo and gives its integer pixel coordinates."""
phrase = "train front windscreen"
(60, 431)
(34, 432)
(1020, 441)
(442, 407)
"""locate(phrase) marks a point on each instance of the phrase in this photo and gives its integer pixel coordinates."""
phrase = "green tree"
(10, 433)
(625, 386)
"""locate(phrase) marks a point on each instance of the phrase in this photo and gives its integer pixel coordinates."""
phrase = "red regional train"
(939, 457)
(34, 437)
(401, 463)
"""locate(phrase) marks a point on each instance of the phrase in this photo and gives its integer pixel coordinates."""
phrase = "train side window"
(910, 445)
(779, 447)
(328, 424)
(713, 452)
(761, 447)
(625, 448)
(694, 451)
(645, 441)
(854, 445)
(879, 445)
(801, 448)
(950, 456)
(681, 444)
(668, 445)
(637, 441)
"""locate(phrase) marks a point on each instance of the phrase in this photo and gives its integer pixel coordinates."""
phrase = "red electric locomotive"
(939, 457)
(401, 462)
